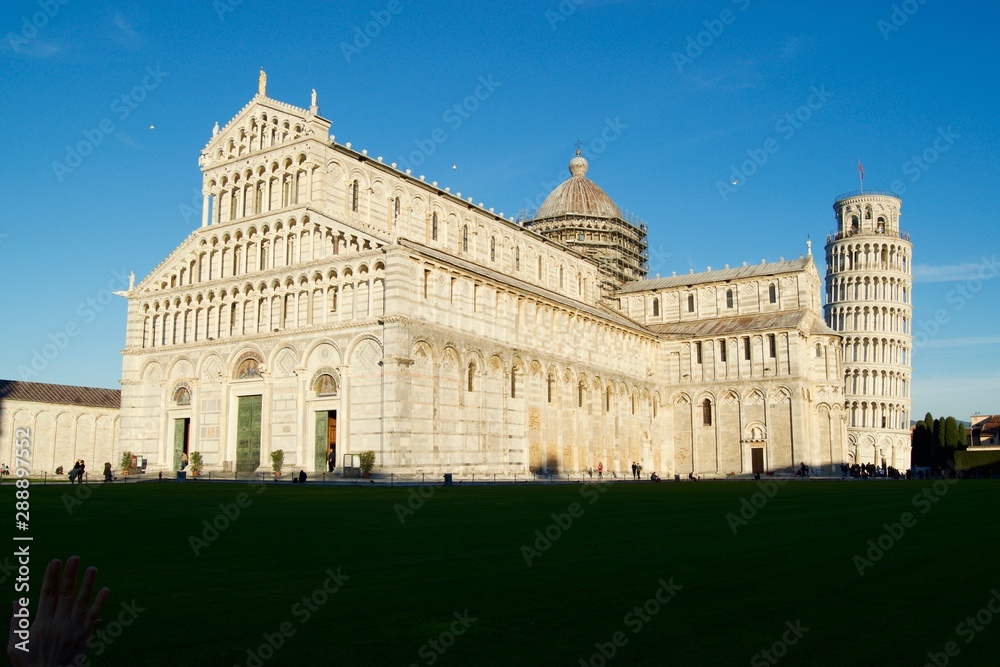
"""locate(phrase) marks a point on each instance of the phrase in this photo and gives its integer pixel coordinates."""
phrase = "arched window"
(560, 277)
(729, 298)
(182, 396)
(395, 209)
(493, 249)
(690, 303)
(607, 400)
(248, 369)
(539, 267)
(579, 394)
(706, 412)
(550, 383)
(772, 294)
(325, 385)
(513, 382)
(517, 259)
(722, 350)
(434, 227)
(465, 238)
(819, 351)
(472, 375)
(656, 307)
(354, 196)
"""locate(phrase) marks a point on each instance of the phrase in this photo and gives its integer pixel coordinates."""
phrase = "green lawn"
(462, 553)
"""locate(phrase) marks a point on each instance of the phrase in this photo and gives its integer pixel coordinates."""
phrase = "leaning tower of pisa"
(869, 301)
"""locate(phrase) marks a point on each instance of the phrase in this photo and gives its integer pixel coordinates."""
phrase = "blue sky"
(667, 98)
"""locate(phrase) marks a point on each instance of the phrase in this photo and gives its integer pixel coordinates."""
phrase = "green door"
(248, 434)
(180, 441)
(321, 440)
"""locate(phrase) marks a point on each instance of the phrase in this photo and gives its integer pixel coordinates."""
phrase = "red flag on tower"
(861, 169)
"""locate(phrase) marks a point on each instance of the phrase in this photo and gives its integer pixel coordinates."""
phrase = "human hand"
(62, 624)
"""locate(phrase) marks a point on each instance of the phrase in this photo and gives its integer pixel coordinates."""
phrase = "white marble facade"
(61, 425)
(329, 298)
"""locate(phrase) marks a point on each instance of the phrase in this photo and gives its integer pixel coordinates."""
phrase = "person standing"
(108, 475)
(600, 470)
(634, 476)
(330, 460)
(83, 468)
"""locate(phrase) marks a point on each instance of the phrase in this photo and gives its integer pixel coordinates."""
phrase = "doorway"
(326, 440)
(182, 441)
(757, 459)
(248, 433)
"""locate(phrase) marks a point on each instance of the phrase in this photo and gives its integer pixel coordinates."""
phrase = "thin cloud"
(958, 342)
(38, 49)
(946, 273)
(126, 33)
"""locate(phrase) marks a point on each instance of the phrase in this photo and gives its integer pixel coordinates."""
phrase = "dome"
(578, 196)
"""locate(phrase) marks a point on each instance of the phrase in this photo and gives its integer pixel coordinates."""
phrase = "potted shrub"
(367, 463)
(277, 459)
(126, 463)
(196, 463)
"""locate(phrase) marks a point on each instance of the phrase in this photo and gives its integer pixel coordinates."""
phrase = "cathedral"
(331, 304)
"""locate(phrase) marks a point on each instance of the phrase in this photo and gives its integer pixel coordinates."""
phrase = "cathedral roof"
(803, 320)
(39, 392)
(752, 271)
(578, 195)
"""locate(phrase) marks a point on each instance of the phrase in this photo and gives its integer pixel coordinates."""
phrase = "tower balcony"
(850, 233)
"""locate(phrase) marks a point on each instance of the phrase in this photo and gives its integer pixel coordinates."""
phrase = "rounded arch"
(322, 351)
